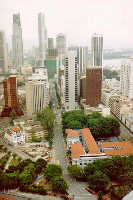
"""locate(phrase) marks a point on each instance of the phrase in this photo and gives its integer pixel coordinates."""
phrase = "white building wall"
(71, 83)
(3, 52)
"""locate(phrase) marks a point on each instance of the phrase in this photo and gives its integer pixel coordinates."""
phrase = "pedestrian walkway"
(7, 164)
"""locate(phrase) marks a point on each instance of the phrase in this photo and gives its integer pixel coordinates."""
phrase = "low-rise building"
(113, 84)
(117, 148)
(127, 119)
(72, 137)
(15, 136)
(86, 150)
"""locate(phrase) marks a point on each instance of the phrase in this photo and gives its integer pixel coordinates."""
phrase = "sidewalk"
(7, 164)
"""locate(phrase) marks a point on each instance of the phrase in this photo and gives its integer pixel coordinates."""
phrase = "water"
(113, 64)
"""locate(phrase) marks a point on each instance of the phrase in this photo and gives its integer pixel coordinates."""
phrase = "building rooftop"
(90, 142)
(16, 129)
(76, 150)
(117, 148)
(72, 133)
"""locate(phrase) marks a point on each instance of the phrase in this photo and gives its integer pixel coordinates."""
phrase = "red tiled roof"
(72, 133)
(127, 148)
(90, 142)
(16, 129)
(9, 132)
(6, 198)
(76, 150)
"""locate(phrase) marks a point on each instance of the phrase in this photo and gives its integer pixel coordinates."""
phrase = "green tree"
(50, 104)
(23, 164)
(74, 124)
(40, 164)
(52, 170)
(76, 171)
(122, 190)
(99, 181)
(25, 178)
(47, 117)
(14, 155)
(59, 185)
(19, 159)
(31, 169)
(13, 115)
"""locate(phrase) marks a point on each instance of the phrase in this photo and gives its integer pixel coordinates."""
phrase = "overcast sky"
(77, 19)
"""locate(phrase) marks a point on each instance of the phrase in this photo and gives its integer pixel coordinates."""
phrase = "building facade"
(3, 52)
(93, 85)
(83, 59)
(42, 35)
(37, 93)
(71, 81)
(61, 43)
(126, 80)
(97, 50)
(17, 43)
(15, 136)
(11, 97)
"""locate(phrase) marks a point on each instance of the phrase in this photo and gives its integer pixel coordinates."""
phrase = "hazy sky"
(77, 19)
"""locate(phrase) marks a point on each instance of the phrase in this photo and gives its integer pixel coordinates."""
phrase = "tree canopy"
(100, 126)
(59, 185)
(52, 171)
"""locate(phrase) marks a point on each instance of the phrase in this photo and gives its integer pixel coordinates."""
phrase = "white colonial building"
(15, 136)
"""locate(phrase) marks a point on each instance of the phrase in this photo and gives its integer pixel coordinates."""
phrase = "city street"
(75, 188)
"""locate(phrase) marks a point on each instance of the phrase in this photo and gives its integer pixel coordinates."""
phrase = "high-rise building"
(50, 43)
(126, 80)
(83, 59)
(61, 43)
(3, 52)
(93, 85)
(37, 92)
(11, 97)
(17, 43)
(97, 50)
(71, 81)
(42, 34)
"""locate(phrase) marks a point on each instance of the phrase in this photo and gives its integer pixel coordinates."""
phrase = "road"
(75, 188)
(15, 150)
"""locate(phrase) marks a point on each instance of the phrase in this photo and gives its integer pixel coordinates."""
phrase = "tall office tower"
(126, 78)
(17, 43)
(3, 52)
(93, 85)
(61, 43)
(83, 59)
(50, 43)
(11, 97)
(37, 92)
(97, 50)
(42, 34)
(71, 81)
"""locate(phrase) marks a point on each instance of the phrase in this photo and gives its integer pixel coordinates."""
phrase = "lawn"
(14, 162)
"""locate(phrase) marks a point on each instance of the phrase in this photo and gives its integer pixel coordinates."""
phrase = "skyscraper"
(17, 43)
(42, 34)
(97, 50)
(37, 92)
(3, 52)
(126, 80)
(50, 43)
(11, 97)
(83, 59)
(61, 43)
(71, 80)
(93, 85)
